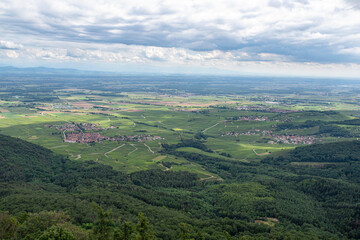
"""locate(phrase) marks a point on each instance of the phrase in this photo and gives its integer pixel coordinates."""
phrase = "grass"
(160, 115)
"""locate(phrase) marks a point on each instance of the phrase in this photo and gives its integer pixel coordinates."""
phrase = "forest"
(229, 162)
(274, 199)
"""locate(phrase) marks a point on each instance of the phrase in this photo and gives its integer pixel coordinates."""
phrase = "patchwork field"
(237, 127)
(229, 158)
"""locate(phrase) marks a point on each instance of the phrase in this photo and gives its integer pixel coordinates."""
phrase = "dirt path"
(106, 154)
(210, 177)
(211, 126)
(260, 154)
(207, 178)
(166, 168)
(133, 145)
(150, 150)
(78, 157)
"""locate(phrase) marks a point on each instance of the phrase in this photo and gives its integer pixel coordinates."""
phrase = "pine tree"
(144, 229)
(103, 227)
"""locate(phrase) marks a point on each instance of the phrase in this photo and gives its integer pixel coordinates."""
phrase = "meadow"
(174, 114)
(231, 158)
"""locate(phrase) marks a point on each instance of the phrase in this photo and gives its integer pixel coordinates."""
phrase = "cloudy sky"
(266, 37)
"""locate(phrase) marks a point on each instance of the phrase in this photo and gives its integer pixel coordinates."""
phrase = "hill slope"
(272, 200)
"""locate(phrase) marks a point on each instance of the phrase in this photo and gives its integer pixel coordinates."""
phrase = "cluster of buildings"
(91, 137)
(248, 133)
(293, 139)
(81, 137)
(262, 108)
(251, 118)
(71, 127)
(80, 133)
(277, 139)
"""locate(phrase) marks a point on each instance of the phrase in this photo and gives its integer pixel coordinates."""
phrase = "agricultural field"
(222, 158)
(243, 124)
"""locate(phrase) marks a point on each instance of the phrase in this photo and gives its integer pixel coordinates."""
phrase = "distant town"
(277, 138)
(78, 127)
(73, 133)
(252, 118)
(262, 108)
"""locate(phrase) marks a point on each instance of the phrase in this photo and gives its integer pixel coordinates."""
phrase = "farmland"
(240, 124)
(195, 147)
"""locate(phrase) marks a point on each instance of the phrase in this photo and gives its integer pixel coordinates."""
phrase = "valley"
(219, 150)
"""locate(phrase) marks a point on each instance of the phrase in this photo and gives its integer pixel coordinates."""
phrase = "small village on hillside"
(277, 138)
(74, 133)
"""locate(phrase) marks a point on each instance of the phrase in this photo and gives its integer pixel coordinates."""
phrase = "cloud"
(10, 45)
(11, 54)
(354, 3)
(182, 32)
(167, 58)
(352, 51)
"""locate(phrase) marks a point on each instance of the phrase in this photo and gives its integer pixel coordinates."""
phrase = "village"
(252, 118)
(262, 108)
(92, 137)
(293, 139)
(277, 138)
(249, 133)
(74, 133)
(78, 127)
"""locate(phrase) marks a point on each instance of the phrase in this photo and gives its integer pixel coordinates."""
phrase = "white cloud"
(9, 45)
(11, 54)
(181, 22)
(227, 34)
(352, 51)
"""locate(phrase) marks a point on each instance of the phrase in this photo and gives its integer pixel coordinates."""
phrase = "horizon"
(48, 70)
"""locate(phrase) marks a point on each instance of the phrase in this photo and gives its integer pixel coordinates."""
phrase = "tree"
(144, 229)
(184, 231)
(8, 226)
(37, 223)
(227, 235)
(199, 235)
(126, 232)
(104, 226)
(57, 233)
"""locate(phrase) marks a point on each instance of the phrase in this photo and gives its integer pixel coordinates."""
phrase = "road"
(105, 154)
(211, 126)
(149, 148)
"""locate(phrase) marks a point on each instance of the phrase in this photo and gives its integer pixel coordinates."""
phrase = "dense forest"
(307, 193)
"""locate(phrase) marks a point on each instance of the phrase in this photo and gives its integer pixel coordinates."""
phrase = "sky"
(318, 38)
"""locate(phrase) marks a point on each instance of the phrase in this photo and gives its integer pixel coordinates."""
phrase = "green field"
(172, 117)
(221, 158)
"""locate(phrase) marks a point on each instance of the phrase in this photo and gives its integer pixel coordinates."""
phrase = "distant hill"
(49, 71)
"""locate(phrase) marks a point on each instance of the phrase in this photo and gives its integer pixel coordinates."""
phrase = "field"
(224, 157)
(240, 127)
